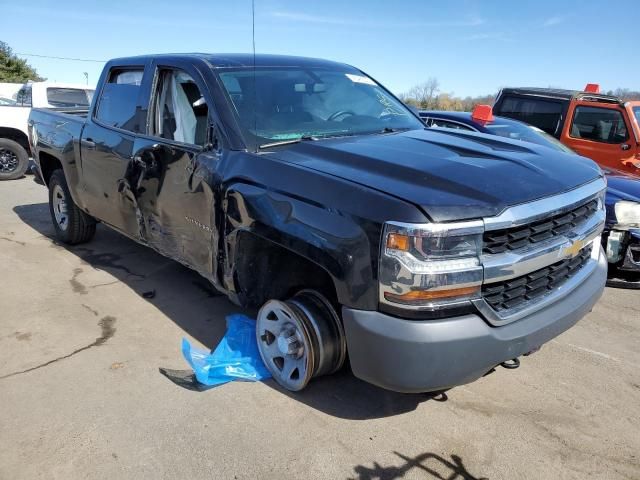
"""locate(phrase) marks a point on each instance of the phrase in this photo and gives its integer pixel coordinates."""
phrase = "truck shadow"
(190, 302)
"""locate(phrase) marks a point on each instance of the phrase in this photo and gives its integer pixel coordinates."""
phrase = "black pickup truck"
(426, 257)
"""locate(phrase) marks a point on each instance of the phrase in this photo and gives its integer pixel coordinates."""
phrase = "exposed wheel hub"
(289, 344)
(300, 339)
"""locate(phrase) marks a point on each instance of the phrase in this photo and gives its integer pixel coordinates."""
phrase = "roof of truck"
(230, 60)
(562, 94)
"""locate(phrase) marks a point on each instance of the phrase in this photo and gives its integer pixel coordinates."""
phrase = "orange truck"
(601, 127)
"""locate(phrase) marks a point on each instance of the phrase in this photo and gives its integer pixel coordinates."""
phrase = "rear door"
(602, 132)
(106, 147)
(174, 168)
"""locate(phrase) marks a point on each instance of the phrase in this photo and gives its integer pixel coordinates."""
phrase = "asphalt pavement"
(93, 384)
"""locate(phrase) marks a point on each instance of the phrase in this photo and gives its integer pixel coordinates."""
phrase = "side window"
(543, 114)
(67, 97)
(24, 97)
(119, 99)
(179, 110)
(439, 123)
(599, 125)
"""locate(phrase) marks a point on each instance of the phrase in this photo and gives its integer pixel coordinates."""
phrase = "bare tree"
(424, 95)
(427, 96)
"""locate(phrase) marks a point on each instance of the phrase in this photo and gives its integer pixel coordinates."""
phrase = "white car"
(14, 114)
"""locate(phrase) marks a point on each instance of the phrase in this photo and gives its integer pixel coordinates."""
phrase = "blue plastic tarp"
(235, 358)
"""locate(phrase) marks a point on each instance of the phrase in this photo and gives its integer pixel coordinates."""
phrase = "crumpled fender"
(335, 242)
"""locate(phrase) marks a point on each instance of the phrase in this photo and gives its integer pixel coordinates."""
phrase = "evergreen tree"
(14, 69)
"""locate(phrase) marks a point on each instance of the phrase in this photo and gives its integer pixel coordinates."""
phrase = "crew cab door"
(106, 148)
(174, 168)
(602, 132)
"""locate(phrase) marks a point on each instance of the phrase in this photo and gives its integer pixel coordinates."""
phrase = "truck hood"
(450, 175)
(621, 186)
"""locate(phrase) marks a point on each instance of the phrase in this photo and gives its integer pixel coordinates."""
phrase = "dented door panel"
(175, 202)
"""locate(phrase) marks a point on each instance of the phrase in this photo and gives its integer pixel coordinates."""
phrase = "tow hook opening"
(511, 364)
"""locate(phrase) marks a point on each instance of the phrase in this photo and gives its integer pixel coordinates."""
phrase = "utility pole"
(86, 77)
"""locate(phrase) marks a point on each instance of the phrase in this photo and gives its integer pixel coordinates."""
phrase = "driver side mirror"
(213, 138)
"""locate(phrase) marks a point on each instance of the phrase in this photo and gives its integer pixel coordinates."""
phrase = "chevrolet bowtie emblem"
(573, 249)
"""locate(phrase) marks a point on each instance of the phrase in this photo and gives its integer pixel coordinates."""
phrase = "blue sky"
(473, 47)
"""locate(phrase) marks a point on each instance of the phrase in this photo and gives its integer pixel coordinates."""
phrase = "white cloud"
(553, 21)
(488, 36)
(325, 20)
(305, 17)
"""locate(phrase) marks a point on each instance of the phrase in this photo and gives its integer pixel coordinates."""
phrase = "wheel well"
(48, 164)
(266, 271)
(15, 135)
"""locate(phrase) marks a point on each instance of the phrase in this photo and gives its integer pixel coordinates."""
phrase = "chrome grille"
(514, 238)
(516, 291)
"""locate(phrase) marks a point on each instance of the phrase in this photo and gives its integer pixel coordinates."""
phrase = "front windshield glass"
(527, 133)
(292, 103)
(636, 112)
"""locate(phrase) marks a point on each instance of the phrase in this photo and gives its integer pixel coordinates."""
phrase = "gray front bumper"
(430, 355)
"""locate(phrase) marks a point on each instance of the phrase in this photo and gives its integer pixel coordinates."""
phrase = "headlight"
(628, 213)
(430, 266)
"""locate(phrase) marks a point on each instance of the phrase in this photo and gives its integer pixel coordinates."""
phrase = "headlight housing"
(429, 267)
(628, 213)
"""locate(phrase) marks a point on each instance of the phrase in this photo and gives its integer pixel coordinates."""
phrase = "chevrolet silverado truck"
(601, 127)
(14, 114)
(304, 188)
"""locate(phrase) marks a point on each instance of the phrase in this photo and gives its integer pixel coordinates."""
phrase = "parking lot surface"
(83, 393)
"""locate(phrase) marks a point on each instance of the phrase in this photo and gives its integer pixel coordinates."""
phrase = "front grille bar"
(517, 291)
(509, 239)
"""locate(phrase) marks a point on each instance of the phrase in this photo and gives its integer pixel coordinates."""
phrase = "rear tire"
(72, 225)
(14, 159)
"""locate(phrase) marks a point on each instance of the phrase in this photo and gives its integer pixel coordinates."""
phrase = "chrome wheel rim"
(59, 206)
(8, 161)
(284, 345)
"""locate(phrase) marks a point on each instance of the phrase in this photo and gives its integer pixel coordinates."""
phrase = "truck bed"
(57, 132)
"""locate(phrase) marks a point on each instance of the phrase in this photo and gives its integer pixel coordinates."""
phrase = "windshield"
(636, 112)
(292, 103)
(527, 133)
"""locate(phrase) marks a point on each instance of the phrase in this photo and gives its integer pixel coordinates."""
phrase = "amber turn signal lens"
(421, 295)
(397, 241)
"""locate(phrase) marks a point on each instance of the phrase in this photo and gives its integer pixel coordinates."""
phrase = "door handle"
(625, 146)
(137, 159)
(88, 143)
(147, 155)
(150, 149)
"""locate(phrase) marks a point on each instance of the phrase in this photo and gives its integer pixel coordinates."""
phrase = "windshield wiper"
(288, 142)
